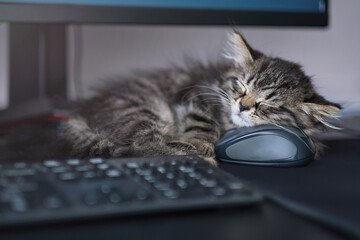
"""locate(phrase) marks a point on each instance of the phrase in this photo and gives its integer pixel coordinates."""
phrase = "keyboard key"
(208, 182)
(218, 191)
(103, 166)
(27, 186)
(149, 178)
(161, 169)
(162, 186)
(142, 194)
(132, 165)
(18, 172)
(53, 202)
(20, 165)
(235, 185)
(181, 183)
(115, 197)
(210, 171)
(68, 176)
(73, 162)
(195, 175)
(171, 194)
(186, 169)
(91, 198)
(84, 168)
(52, 163)
(60, 169)
(89, 174)
(105, 188)
(113, 173)
(170, 175)
(19, 205)
(96, 160)
(143, 172)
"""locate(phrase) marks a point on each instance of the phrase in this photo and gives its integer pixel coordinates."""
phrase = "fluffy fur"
(185, 111)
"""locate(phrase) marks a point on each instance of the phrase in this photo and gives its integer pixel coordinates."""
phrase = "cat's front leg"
(201, 132)
(204, 149)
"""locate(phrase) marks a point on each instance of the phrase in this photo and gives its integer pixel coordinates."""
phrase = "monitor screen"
(252, 5)
(239, 12)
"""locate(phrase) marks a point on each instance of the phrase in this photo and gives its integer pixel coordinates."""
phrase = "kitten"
(178, 111)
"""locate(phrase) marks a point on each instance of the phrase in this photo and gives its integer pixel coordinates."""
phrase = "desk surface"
(267, 221)
(326, 190)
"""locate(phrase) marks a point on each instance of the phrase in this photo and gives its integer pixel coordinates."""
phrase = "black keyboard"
(73, 189)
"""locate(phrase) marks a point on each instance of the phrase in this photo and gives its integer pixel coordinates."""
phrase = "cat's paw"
(203, 148)
(183, 146)
(102, 148)
(211, 160)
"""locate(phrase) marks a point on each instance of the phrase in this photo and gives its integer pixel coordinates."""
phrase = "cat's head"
(260, 89)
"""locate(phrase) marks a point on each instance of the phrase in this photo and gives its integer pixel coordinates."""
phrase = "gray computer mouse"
(266, 145)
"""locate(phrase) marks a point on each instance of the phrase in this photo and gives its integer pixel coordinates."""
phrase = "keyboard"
(77, 189)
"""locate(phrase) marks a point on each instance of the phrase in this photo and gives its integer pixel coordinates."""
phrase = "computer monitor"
(201, 12)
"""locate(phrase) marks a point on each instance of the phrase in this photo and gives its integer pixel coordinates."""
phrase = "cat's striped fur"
(178, 111)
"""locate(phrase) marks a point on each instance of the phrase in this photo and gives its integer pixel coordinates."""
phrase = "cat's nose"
(243, 107)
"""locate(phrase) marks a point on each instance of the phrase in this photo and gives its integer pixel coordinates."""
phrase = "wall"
(329, 55)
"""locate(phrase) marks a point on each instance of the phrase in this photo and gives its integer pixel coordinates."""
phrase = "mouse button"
(266, 127)
(306, 148)
(304, 144)
(312, 145)
(234, 134)
(229, 133)
(294, 130)
(262, 148)
(309, 143)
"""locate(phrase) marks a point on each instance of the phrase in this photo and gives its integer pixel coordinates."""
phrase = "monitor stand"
(37, 71)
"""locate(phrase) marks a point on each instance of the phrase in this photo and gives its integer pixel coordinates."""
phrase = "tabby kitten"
(185, 111)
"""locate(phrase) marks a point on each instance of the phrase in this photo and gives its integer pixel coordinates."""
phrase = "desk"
(267, 221)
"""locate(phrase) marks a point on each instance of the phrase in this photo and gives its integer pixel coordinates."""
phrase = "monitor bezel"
(69, 13)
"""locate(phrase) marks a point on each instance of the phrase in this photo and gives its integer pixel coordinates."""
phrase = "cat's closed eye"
(237, 86)
(242, 94)
(234, 85)
(232, 79)
(242, 90)
(258, 103)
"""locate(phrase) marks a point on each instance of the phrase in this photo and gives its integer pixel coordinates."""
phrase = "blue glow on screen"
(259, 5)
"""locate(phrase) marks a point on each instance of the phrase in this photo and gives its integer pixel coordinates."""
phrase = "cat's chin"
(240, 121)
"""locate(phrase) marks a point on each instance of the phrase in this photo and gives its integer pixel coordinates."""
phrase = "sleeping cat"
(185, 111)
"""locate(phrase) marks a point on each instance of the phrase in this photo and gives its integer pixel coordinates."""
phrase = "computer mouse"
(266, 145)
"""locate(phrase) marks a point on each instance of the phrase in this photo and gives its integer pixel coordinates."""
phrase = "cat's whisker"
(203, 94)
(215, 89)
(216, 99)
(269, 105)
(218, 96)
(222, 92)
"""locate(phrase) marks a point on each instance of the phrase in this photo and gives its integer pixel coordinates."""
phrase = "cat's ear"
(321, 110)
(240, 52)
